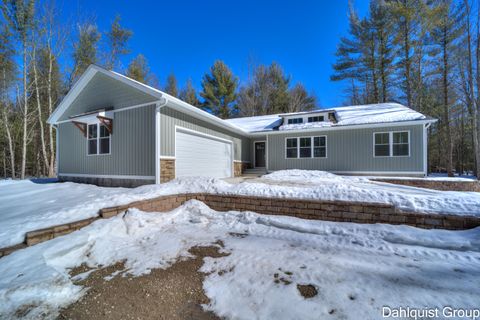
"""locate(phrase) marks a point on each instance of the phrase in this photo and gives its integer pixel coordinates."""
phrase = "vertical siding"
(171, 118)
(132, 146)
(349, 150)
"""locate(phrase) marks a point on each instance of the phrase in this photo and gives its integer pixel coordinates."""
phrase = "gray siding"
(171, 118)
(349, 150)
(102, 92)
(132, 146)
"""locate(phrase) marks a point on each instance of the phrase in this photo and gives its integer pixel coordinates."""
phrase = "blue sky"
(186, 37)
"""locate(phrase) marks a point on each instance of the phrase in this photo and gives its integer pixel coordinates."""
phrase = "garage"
(199, 154)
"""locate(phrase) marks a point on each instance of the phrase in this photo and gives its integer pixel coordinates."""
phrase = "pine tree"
(219, 90)
(139, 70)
(85, 49)
(189, 95)
(171, 86)
(118, 38)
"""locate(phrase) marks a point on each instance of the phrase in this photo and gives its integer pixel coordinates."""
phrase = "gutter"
(158, 105)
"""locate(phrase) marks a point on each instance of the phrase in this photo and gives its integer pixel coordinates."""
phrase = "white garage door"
(199, 155)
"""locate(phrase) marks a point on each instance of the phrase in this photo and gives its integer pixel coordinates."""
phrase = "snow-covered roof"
(258, 123)
(345, 116)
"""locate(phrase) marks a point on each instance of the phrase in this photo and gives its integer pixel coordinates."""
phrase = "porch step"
(255, 172)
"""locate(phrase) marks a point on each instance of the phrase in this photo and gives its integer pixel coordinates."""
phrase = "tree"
(139, 70)
(85, 49)
(300, 100)
(189, 95)
(117, 43)
(443, 36)
(219, 90)
(265, 93)
(7, 73)
(171, 87)
(20, 16)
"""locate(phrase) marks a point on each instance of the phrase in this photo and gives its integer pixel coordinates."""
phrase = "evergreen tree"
(139, 70)
(118, 38)
(85, 49)
(189, 95)
(219, 90)
(171, 86)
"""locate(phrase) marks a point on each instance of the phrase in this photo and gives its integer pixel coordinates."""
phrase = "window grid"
(306, 147)
(98, 140)
(397, 144)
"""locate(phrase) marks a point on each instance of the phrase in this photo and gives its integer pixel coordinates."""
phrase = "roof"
(345, 116)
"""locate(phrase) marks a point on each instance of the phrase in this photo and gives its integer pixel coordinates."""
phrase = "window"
(305, 147)
(292, 151)
(295, 120)
(382, 144)
(316, 119)
(98, 139)
(320, 147)
(92, 139)
(400, 144)
(392, 144)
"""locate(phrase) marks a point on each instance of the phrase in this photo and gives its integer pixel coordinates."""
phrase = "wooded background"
(424, 54)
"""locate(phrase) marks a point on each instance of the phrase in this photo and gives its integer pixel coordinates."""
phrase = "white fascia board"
(72, 94)
(195, 112)
(85, 79)
(345, 127)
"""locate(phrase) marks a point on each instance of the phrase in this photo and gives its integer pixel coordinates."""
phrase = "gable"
(103, 91)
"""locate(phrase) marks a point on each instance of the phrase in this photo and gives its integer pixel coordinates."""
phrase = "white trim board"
(83, 175)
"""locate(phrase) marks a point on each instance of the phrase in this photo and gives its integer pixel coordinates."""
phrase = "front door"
(259, 154)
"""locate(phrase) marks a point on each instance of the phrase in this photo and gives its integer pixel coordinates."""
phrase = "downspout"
(55, 126)
(425, 148)
(158, 105)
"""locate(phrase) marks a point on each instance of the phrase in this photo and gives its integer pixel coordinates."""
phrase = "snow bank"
(26, 206)
(313, 184)
(356, 269)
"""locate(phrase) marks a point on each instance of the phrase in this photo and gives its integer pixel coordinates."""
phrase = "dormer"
(308, 117)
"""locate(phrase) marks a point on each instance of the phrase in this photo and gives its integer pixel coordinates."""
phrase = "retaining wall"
(340, 211)
(472, 186)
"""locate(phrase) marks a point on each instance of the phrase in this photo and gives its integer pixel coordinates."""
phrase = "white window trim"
(390, 144)
(292, 119)
(291, 148)
(311, 147)
(98, 141)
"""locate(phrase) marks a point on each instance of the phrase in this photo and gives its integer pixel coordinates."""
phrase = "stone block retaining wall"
(473, 186)
(340, 211)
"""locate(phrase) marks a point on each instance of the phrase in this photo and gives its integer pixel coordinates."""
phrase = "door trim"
(255, 153)
(209, 136)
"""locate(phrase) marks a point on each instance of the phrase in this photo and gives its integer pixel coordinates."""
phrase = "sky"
(186, 37)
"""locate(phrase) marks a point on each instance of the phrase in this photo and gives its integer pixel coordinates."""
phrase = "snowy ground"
(26, 206)
(356, 269)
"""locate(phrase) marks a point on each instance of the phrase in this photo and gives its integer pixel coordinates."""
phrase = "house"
(115, 131)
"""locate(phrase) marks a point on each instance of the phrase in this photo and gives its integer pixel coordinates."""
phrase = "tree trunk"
(39, 109)
(446, 113)
(406, 44)
(51, 168)
(7, 130)
(25, 113)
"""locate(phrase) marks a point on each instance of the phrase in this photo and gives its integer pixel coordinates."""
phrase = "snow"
(350, 115)
(26, 206)
(357, 269)
(375, 113)
(308, 125)
(258, 123)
